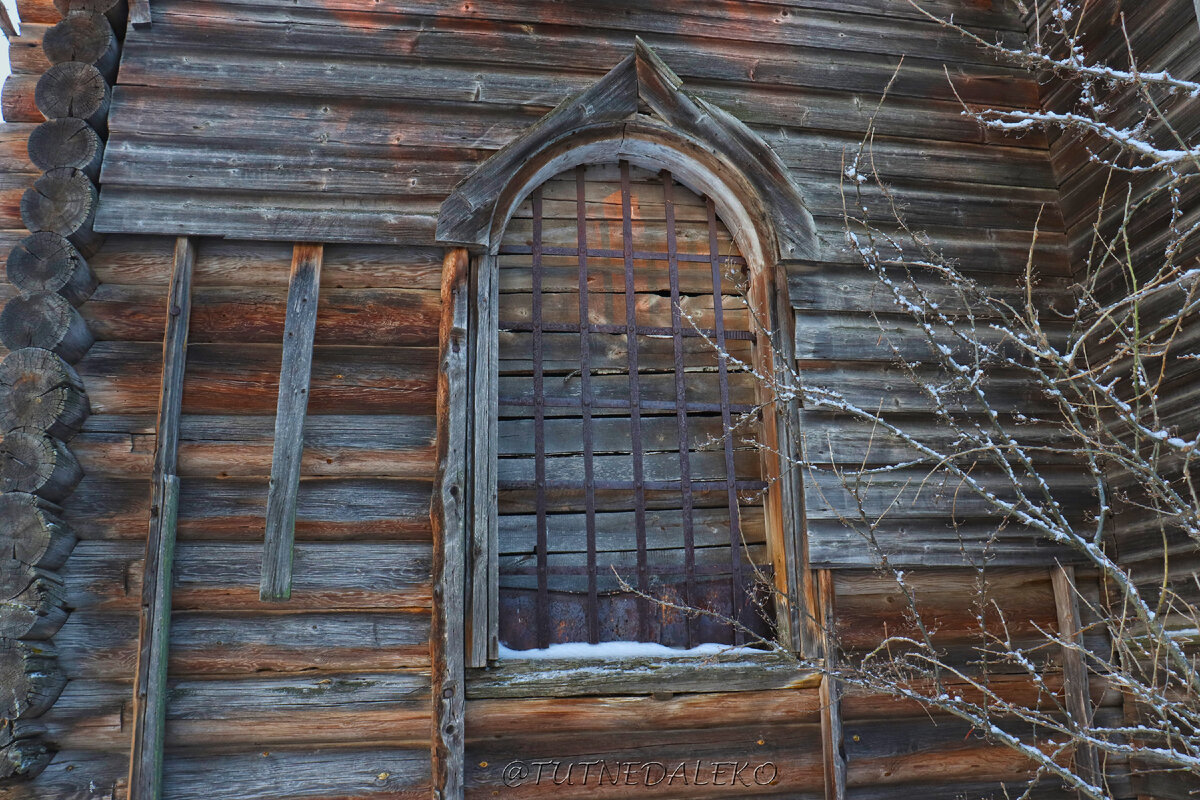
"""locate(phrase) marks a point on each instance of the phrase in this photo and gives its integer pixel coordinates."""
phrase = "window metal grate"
(575, 595)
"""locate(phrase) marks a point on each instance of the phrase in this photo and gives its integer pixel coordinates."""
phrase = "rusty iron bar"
(681, 415)
(585, 395)
(642, 330)
(635, 398)
(616, 402)
(539, 439)
(737, 600)
(638, 255)
(654, 486)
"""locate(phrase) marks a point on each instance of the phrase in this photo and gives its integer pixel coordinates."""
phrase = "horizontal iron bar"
(640, 255)
(640, 330)
(701, 569)
(654, 486)
(654, 405)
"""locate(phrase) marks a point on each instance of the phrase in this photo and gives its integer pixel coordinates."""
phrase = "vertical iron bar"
(685, 467)
(635, 400)
(539, 438)
(736, 599)
(585, 393)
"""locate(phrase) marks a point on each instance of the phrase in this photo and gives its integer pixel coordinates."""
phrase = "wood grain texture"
(449, 515)
(154, 617)
(294, 378)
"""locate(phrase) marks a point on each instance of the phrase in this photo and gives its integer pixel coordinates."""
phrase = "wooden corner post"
(298, 330)
(449, 516)
(149, 694)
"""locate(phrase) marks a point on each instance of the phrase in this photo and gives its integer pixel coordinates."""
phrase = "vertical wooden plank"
(1075, 678)
(832, 749)
(449, 517)
(298, 330)
(139, 13)
(485, 557)
(149, 698)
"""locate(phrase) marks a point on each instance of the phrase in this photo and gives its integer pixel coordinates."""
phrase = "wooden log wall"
(57, 98)
(1162, 37)
(324, 120)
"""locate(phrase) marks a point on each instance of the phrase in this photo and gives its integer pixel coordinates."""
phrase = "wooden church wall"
(321, 121)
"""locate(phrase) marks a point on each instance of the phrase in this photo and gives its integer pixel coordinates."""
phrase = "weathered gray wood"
(63, 201)
(26, 755)
(37, 535)
(449, 515)
(40, 391)
(139, 13)
(74, 89)
(154, 619)
(466, 216)
(731, 672)
(45, 320)
(115, 10)
(86, 37)
(484, 555)
(67, 142)
(294, 374)
(36, 611)
(46, 262)
(31, 677)
(1075, 674)
(34, 463)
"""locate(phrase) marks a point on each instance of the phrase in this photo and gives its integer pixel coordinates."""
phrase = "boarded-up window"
(600, 507)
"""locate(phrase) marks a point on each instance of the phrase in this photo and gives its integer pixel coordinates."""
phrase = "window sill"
(730, 672)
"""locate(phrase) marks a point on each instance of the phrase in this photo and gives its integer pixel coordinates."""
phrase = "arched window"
(631, 482)
(566, 509)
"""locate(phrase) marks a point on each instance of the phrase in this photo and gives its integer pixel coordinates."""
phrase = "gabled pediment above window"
(607, 122)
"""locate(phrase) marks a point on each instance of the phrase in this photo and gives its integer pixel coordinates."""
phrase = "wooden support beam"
(298, 330)
(139, 13)
(484, 555)
(832, 750)
(149, 716)
(1075, 676)
(449, 532)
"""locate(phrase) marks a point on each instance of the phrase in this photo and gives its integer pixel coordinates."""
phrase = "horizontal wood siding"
(330, 688)
(258, 124)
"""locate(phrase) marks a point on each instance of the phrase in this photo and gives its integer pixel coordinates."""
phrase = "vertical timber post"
(833, 752)
(1075, 677)
(298, 331)
(449, 516)
(149, 715)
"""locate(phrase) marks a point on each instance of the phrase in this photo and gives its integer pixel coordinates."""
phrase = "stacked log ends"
(42, 399)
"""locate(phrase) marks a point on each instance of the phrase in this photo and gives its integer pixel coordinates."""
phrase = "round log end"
(34, 463)
(62, 201)
(73, 89)
(45, 320)
(36, 612)
(115, 10)
(39, 391)
(32, 679)
(83, 36)
(36, 534)
(66, 143)
(22, 758)
(47, 262)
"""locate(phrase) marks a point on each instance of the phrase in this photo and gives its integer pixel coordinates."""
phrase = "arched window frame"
(706, 149)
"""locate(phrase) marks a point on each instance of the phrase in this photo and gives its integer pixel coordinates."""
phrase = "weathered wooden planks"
(294, 375)
(449, 515)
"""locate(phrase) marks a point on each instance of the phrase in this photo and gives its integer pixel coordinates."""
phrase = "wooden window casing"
(576, 254)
